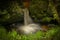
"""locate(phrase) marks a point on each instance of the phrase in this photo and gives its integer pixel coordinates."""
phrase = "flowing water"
(27, 18)
(29, 27)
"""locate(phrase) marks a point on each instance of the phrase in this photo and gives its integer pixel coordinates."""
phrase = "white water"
(27, 18)
(29, 27)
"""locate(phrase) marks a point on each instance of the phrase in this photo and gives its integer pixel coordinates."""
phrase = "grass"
(52, 34)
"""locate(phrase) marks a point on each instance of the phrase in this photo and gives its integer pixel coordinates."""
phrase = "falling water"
(27, 18)
(29, 27)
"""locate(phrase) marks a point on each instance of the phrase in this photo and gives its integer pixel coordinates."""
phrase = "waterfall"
(28, 27)
(27, 18)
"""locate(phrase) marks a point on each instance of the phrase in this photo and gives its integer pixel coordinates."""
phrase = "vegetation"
(52, 34)
(41, 11)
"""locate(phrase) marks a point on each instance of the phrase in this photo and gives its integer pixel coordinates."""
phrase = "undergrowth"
(52, 34)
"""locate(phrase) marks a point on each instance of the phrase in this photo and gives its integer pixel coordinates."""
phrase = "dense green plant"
(53, 33)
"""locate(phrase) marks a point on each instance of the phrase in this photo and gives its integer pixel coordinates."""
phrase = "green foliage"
(39, 10)
(53, 33)
(46, 19)
(12, 14)
(5, 16)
